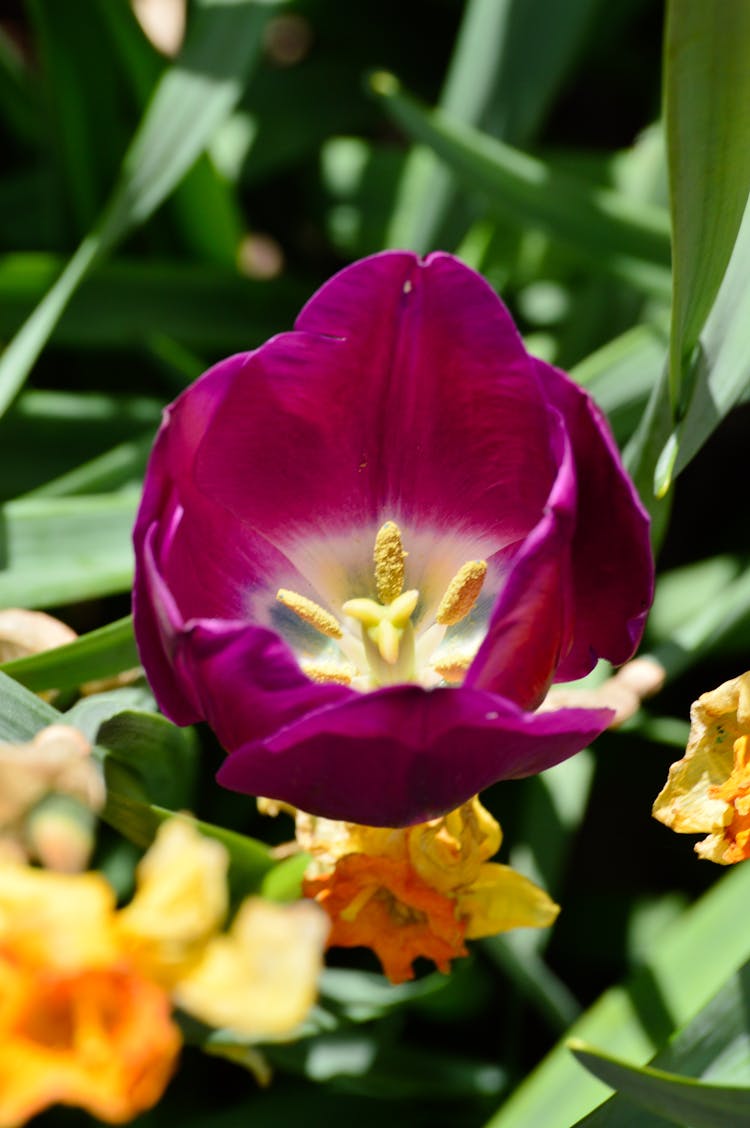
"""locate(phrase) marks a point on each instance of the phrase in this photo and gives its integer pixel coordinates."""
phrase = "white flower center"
(376, 643)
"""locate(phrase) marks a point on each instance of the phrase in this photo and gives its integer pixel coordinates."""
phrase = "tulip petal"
(531, 624)
(612, 570)
(405, 755)
(404, 393)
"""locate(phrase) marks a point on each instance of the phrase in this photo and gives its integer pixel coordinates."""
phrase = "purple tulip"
(367, 549)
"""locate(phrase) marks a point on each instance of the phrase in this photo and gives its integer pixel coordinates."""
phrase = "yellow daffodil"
(86, 990)
(420, 891)
(708, 791)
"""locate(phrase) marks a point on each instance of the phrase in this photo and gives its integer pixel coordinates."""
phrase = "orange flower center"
(735, 792)
(381, 903)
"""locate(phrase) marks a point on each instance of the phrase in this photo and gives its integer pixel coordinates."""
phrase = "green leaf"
(192, 98)
(99, 654)
(138, 821)
(131, 301)
(65, 549)
(284, 881)
(707, 116)
(720, 366)
(631, 239)
(679, 1099)
(678, 979)
(160, 755)
(22, 713)
(713, 1046)
(501, 77)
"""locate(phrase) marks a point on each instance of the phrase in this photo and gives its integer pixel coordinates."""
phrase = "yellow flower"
(708, 791)
(420, 891)
(86, 990)
(260, 978)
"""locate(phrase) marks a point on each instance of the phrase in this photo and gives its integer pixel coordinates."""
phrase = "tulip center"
(377, 643)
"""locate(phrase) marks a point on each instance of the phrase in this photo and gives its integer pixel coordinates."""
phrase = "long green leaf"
(714, 1046)
(677, 981)
(680, 1099)
(721, 366)
(630, 239)
(98, 654)
(192, 98)
(707, 116)
(131, 301)
(65, 549)
(501, 78)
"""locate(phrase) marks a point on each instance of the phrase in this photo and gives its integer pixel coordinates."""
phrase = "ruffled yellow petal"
(261, 978)
(500, 899)
(179, 904)
(690, 802)
(448, 852)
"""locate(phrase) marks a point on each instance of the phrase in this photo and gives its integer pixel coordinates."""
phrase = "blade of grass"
(65, 549)
(99, 654)
(637, 1018)
(630, 239)
(680, 1099)
(707, 117)
(192, 98)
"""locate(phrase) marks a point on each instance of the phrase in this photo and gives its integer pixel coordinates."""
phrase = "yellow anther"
(328, 672)
(389, 557)
(452, 667)
(462, 593)
(310, 612)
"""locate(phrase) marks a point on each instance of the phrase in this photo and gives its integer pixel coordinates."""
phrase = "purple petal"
(404, 393)
(249, 682)
(531, 623)
(405, 755)
(612, 566)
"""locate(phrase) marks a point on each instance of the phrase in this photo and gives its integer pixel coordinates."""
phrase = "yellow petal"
(260, 979)
(717, 719)
(501, 899)
(59, 920)
(180, 901)
(448, 852)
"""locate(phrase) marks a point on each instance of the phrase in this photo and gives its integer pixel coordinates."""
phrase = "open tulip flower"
(366, 550)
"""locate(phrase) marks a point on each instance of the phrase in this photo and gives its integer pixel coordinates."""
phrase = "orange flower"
(382, 904)
(77, 1025)
(420, 891)
(86, 991)
(99, 1038)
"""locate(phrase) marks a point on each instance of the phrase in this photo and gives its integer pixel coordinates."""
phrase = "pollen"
(310, 612)
(327, 673)
(452, 667)
(389, 557)
(462, 593)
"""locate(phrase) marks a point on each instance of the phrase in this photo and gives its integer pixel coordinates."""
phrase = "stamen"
(310, 612)
(452, 667)
(355, 906)
(328, 672)
(462, 593)
(389, 559)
